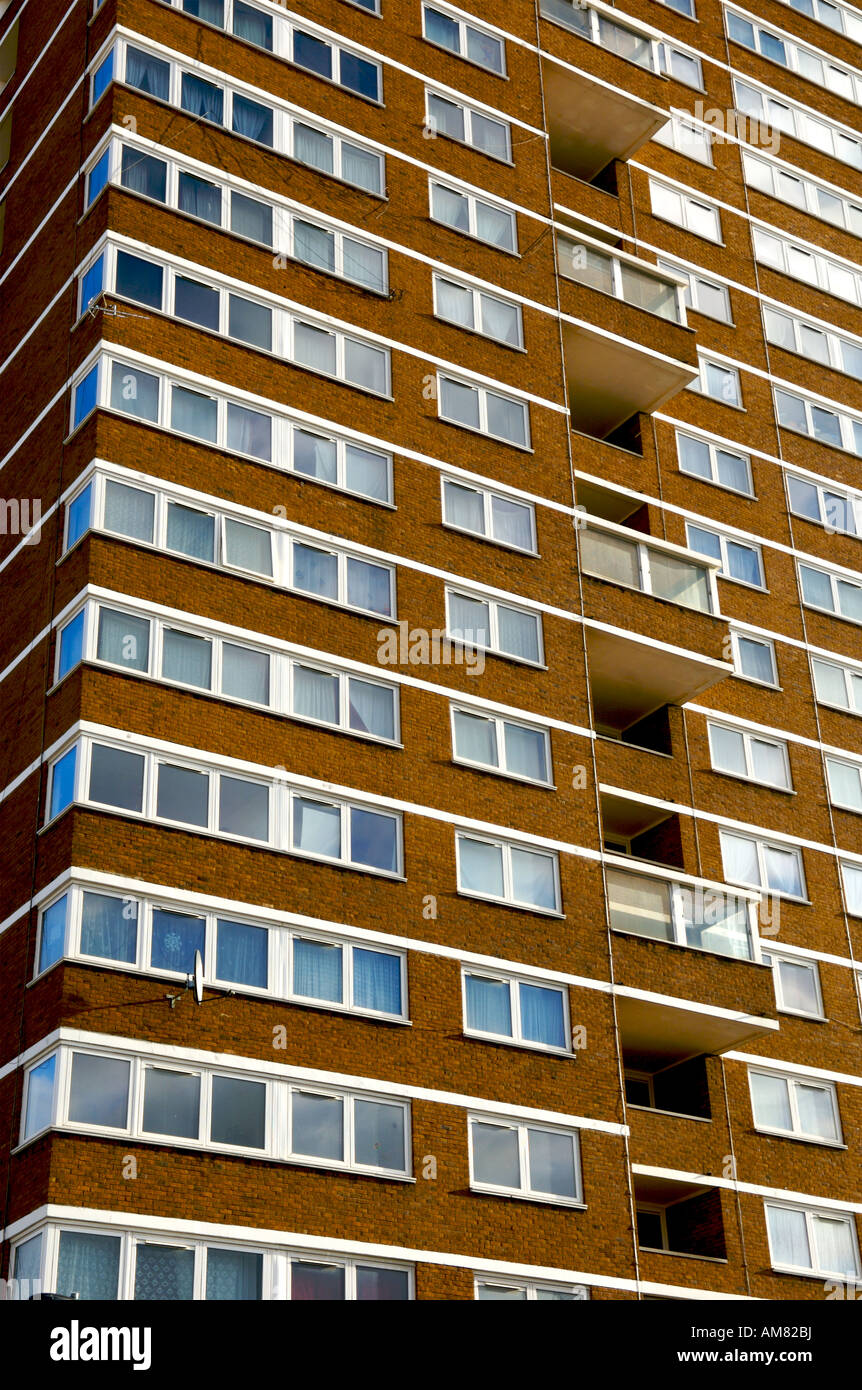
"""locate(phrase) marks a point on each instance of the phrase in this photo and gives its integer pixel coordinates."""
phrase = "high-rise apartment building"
(431, 616)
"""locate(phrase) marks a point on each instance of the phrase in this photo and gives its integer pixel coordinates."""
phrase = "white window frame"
(797, 121)
(701, 383)
(531, 1291)
(685, 219)
(765, 642)
(834, 580)
(781, 250)
(775, 959)
(493, 605)
(761, 843)
(857, 769)
(793, 1083)
(747, 739)
(758, 170)
(795, 54)
(478, 296)
(506, 847)
(516, 1036)
(853, 705)
(463, 27)
(850, 22)
(714, 450)
(691, 293)
(472, 200)
(833, 342)
(849, 426)
(482, 394)
(810, 1213)
(668, 52)
(499, 722)
(522, 1129)
(468, 113)
(488, 495)
(851, 504)
(854, 908)
(724, 540)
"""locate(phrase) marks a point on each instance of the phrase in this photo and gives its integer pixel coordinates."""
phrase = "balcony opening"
(649, 833)
(679, 1089)
(606, 180)
(690, 1225)
(628, 436)
(652, 733)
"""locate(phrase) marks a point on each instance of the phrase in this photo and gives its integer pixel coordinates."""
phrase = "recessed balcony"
(593, 115)
(628, 346)
(643, 598)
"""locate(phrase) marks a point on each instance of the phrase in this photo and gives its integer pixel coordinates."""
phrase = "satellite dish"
(198, 978)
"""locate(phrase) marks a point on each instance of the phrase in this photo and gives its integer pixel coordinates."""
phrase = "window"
(754, 658)
(753, 756)
(486, 411)
(788, 1105)
(354, 977)
(831, 593)
(739, 559)
(820, 200)
(845, 783)
(494, 626)
(492, 515)
(681, 64)
(706, 297)
(694, 216)
(720, 382)
(821, 424)
(101, 80)
(834, 276)
(325, 696)
(344, 579)
(466, 40)
(52, 933)
(99, 1091)
(814, 342)
(480, 312)
(797, 984)
(826, 136)
(851, 877)
(812, 64)
(518, 750)
(525, 1160)
(759, 863)
(694, 917)
(524, 1011)
(838, 17)
(62, 782)
(352, 834)
(837, 685)
(470, 127)
(336, 64)
(464, 212)
(686, 138)
(714, 464)
(517, 1291)
(39, 1104)
(831, 507)
(509, 873)
(812, 1241)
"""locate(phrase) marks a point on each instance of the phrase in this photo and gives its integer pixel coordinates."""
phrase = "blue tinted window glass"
(63, 782)
(86, 394)
(71, 644)
(92, 283)
(53, 936)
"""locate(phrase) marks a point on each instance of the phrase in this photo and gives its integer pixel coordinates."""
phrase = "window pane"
(196, 302)
(373, 840)
(176, 938)
(314, 348)
(117, 778)
(318, 970)
(88, 1265)
(243, 808)
(439, 28)
(315, 694)
(63, 782)
(234, 1274)
(134, 393)
(459, 403)
(317, 828)
(495, 1155)
(739, 856)
(315, 571)
(755, 659)
(313, 147)
(251, 219)
(109, 927)
(252, 119)
(172, 1102)
(248, 547)
(321, 1283)
(315, 456)
(372, 708)
(512, 522)
(312, 53)
(480, 867)
(450, 207)
(242, 954)
(507, 419)
(728, 750)
(533, 879)
(454, 303)
(519, 633)
(475, 739)
(123, 640)
(99, 1093)
(788, 1237)
(164, 1273)
(191, 532)
(187, 659)
(183, 795)
(314, 245)
(129, 511)
(251, 25)
(496, 226)
(376, 981)
(360, 75)
(40, 1096)
(366, 366)
(317, 1124)
(816, 1111)
(71, 644)
(552, 1163)
(52, 936)
(525, 752)
(250, 322)
(464, 507)
(733, 470)
(139, 280)
(79, 515)
(249, 432)
(543, 1017)
(367, 473)
(245, 674)
(374, 1283)
(369, 586)
(769, 763)
(379, 1134)
(200, 198)
(798, 986)
(143, 173)
(238, 1112)
(202, 98)
(783, 871)
(835, 1246)
(771, 1101)
(489, 1005)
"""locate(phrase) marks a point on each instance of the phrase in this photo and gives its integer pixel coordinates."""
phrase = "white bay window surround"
(108, 1262)
(251, 426)
(240, 312)
(524, 1160)
(222, 200)
(241, 1110)
(159, 936)
(198, 793)
(244, 110)
(800, 122)
(294, 39)
(812, 1240)
(195, 657)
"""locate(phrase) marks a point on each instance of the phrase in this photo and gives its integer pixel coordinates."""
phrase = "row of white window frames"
(287, 685)
(281, 1120)
(270, 812)
(160, 937)
(143, 515)
(110, 1265)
